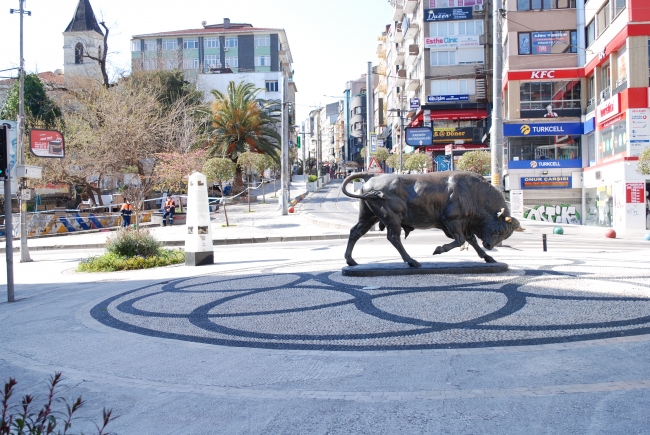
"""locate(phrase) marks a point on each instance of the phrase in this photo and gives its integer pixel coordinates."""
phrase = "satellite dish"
(203, 23)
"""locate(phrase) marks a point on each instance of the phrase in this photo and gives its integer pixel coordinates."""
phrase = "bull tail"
(374, 194)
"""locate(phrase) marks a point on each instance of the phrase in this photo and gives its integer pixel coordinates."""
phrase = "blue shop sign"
(544, 164)
(590, 125)
(443, 98)
(419, 136)
(415, 103)
(545, 129)
(448, 14)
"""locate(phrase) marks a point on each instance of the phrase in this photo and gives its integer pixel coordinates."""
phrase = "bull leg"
(457, 235)
(481, 253)
(394, 234)
(366, 220)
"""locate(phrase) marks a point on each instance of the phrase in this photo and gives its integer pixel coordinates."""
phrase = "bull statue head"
(500, 230)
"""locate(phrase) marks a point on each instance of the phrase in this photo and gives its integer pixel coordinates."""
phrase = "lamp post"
(24, 250)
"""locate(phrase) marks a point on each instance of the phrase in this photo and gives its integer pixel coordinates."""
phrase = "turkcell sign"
(443, 98)
(448, 14)
(546, 129)
(419, 136)
(544, 164)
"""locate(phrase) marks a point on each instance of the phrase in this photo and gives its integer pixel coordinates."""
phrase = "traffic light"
(298, 142)
(4, 148)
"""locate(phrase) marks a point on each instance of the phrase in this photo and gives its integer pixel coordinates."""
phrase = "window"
(262, 60)
(453, 87)
(357, 126)
(551, 42)
(211, 42)
(136, 45)
(603, 19)
(79, 53)
(171, 64)
(272, 86)
(606, 81)
(357, 110)
(471, 27)
(190, 44)
(528, 5)
(454, 3)
(212, 60)
(449, 28)
(442, 29)
(231, 43)
(191, 63)
(232, 62)
(591, 91)
(263, 41)
(150, 46)
(170, 44)
(619, 5)
(442, 58)
(591, 33)
(538, 96)
(544, 148)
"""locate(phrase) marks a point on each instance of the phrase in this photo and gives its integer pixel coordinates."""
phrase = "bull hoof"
(351, 262)
(414, 263)
(438, 251)
(489, 259)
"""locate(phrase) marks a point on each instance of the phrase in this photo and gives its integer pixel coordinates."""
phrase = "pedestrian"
(170, 208)
(126, 211)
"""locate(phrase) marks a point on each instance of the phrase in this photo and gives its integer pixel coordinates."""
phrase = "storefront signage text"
(544, 164)
(442, 98)
(451, 41)
(546, 129)
(545, 74)
(634, 193)
(448, 14)
(608, 108)
(561, 182)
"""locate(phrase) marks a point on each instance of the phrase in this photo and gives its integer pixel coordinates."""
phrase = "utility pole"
(496, 138)
(24, 251)
(370, 114)
(5, 141)
(318, 153)
(284, 155)
(401, 136)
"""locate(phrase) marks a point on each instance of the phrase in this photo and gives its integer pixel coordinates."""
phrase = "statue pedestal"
(428, 268)
(199, 250)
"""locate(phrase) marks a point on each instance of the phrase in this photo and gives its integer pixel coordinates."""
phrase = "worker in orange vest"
(126, 211)
(170, 208)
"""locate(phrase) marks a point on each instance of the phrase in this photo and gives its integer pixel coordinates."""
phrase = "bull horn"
(499, 214)
(508, 218)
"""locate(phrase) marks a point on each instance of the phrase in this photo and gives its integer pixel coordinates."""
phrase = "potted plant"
(312, 183)
(356, 184)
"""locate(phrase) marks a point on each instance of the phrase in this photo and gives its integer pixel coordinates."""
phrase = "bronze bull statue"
(462, 204)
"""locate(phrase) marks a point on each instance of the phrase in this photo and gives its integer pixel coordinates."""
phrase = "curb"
(216, 242)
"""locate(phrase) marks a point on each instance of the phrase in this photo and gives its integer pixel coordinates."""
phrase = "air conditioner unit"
(478, 8)
(225, 48)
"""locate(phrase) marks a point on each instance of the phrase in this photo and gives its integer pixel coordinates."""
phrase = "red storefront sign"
(608, 108)
(634, 193)
(546, 74)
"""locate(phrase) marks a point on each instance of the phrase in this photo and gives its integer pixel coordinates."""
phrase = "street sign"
(373, 143)
(374, 167)
(419, 136)
(414, 103)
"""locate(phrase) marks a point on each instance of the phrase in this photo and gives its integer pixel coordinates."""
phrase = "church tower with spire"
(82, 38)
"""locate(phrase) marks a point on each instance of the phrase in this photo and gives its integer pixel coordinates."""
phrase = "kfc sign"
(543, 74)
(608, 108)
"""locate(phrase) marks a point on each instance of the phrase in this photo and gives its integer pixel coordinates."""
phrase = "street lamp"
(401, 135)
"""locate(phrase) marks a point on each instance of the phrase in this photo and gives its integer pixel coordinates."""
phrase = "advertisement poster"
(557, 41)
(634, 193)
(47, 143)
(517, 204)
(448, 14)
(639, 129)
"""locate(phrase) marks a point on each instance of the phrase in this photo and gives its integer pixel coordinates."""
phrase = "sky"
(331, 41)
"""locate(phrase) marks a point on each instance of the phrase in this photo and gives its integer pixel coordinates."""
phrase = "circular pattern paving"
(537, 302)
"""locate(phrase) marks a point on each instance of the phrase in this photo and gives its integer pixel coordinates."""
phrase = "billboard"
(436, 42)
(46, 143)
(546, 42)
(448, 14)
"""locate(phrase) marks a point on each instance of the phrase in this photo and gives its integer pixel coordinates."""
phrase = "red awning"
(452, 115)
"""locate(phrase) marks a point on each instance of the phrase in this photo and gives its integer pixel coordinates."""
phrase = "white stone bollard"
(198, 240)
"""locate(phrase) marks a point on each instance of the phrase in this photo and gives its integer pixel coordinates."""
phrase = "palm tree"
(242, 122)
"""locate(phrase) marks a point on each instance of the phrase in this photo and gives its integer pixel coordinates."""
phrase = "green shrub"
(24, 419)
(356, 180)
(111, 262)
(131, 243)
(312, 178)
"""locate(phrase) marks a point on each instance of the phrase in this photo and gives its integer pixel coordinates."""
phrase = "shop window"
(591, 149)
(550, 42)
(613, 141)
(544, 148)
(550, 99)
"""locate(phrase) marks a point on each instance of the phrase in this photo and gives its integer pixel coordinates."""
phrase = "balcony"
(284, 56)
(380, 69)
(621, 85)
(591, 105)
(401, 77)
(409, 6)
(414, 52)
(413, 85)
(381, 51)
(398, 35)
(399, 57)
(411, 31)
(398, 9)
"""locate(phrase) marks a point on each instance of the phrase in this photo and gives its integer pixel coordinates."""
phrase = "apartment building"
(216, 54)
(438, 58)
(575, 88)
